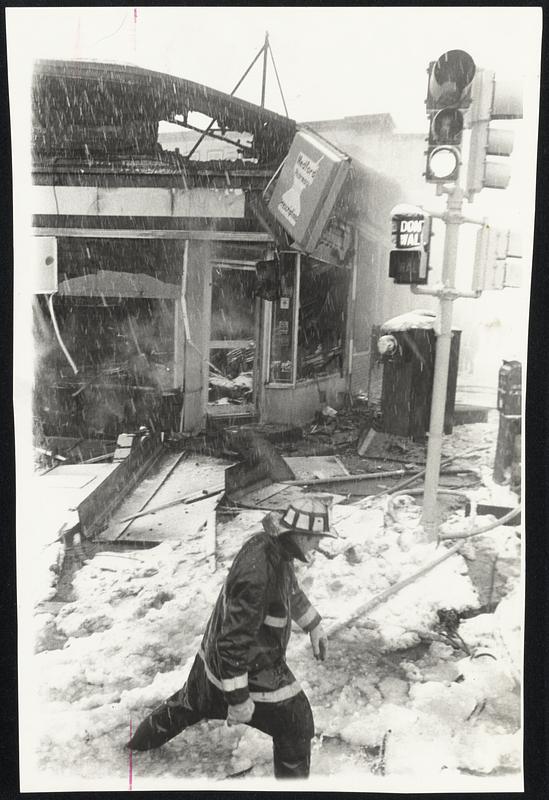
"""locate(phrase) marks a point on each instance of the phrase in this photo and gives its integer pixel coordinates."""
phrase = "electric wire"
(58, 335)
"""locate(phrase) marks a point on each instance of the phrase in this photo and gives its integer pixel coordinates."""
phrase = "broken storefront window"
(321, 322)
(283, 321)
(232, 337)
(123, 352)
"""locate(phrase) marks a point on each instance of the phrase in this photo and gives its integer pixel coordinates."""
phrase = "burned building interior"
(113, 349)
(104, 359)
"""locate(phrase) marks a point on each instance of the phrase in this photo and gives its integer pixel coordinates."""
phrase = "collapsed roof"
(91, 109)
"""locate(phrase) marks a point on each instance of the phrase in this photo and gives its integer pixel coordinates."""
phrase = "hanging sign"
(307, 188)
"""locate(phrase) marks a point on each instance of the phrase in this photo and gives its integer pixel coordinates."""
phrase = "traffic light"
(410, 234)
(498, 259)
(448, 97)
(491, 100)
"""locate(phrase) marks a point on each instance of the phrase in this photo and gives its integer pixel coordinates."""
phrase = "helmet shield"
(310, 515)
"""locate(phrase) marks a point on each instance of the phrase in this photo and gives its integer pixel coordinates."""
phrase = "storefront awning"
(106, 283)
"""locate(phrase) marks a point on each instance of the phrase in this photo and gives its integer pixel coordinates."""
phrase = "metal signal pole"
(455, 85)
(453, 220)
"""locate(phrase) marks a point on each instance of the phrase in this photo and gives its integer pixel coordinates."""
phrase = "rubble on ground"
(402, 694)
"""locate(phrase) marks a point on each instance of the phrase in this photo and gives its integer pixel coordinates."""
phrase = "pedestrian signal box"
(410, 236)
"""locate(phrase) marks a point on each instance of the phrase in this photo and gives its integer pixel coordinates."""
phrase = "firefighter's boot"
(292, 759)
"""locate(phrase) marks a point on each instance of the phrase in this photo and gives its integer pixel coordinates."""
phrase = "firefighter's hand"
(319, 641)
(241, 712)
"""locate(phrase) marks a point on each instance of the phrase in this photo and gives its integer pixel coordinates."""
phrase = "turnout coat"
(244, 645)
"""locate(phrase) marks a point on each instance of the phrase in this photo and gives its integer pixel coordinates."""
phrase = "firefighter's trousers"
(289, 723)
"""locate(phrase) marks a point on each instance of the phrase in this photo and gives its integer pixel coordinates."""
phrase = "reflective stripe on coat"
(244, 646)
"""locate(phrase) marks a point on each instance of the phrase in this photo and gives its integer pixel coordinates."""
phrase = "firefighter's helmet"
(309, 515)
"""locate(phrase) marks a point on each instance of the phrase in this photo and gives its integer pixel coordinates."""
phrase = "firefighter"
(240, 672)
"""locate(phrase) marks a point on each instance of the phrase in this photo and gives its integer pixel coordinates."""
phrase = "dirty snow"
(445, 717)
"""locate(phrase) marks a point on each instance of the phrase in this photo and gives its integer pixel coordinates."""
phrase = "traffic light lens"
(447, 127)
(443, 163)
(452, 74)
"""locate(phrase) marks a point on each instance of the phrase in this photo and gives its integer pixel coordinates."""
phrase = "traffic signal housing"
(448, 97)
(491, 100)
(498, 259)
(410, 237)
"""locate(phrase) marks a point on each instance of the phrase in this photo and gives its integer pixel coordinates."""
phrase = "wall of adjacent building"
(493, 327)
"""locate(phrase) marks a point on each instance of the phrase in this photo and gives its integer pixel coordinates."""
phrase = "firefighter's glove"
(241, 712)
(319, 641)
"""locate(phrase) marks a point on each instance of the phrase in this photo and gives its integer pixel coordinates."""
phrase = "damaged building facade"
(166, 293)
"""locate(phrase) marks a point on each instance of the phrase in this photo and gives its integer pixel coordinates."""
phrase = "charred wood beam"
(157, 233)
(173, 176)
(137, 224)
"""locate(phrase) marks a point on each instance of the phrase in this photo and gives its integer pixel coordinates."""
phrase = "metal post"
(453, 219)
(264, 81)
(295, 323)
(212, 123)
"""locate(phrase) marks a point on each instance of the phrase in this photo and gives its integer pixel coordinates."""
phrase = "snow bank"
(137, 619)
(378, 561)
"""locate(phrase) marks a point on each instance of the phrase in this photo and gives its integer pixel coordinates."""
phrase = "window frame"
(295, 323)
(268, 328)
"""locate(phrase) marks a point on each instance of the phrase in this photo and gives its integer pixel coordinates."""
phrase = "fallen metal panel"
(262, 463)
(305, 467)
(178, 477)
(178, 522)
(140, 497)
(100, 504)
(278, 496)
(64, 481)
